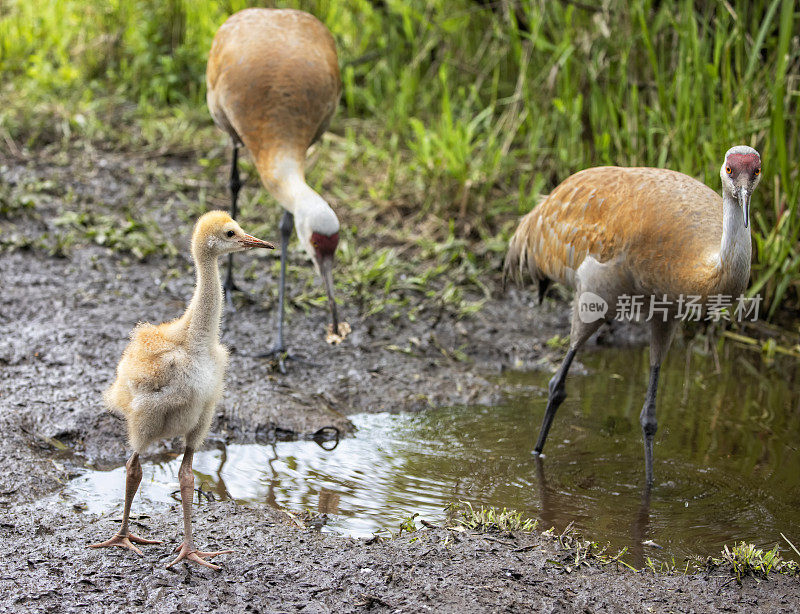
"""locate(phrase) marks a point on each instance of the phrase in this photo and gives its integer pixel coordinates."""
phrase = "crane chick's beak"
(325, 265)
(744, 200)
(249, 241)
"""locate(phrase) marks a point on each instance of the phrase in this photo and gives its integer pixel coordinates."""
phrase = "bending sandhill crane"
(273, 85)
(638, 231)
(170, 378)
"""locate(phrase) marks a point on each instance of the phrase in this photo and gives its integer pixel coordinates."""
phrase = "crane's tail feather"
(521, 259)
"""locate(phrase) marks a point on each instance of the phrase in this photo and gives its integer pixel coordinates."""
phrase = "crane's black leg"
(661, 332)
(548, 508)
(279, 350)
(555, 398)
(579, 333)
(544, 283)
(649, 424)
(287, 224)
(235, 185)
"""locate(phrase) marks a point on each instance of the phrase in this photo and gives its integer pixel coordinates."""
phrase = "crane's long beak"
(251, 241)
(744, 201)
(325, 264)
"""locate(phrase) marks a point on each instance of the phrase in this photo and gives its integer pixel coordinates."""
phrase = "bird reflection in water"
(213, 487)
(551, 515)
(328, 501)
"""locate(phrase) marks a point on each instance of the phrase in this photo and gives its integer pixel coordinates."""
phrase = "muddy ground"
(63, 324)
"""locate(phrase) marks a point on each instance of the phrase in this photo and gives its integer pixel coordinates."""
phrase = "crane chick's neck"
(204, 314)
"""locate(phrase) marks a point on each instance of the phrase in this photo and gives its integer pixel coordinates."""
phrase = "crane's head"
(318, 230)
(740, 174)
(216, 233)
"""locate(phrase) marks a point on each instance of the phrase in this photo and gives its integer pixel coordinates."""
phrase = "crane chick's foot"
(189, 553)
(125, 541)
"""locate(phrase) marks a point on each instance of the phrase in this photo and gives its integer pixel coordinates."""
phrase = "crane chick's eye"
(728, 169)
(230, 233)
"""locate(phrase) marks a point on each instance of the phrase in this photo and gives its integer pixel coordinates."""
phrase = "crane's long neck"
(294, 194)
(205, 309)
(735, 249)
(283, 175)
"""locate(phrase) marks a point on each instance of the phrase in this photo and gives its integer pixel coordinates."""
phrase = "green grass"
(454, 119)
(490, 519)
(746, 560)
(140, 238)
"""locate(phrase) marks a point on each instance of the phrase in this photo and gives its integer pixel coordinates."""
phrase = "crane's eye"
(758, 172)
(230, 233)
(728, 169)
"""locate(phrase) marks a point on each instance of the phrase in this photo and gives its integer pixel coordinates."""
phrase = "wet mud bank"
(278, 567)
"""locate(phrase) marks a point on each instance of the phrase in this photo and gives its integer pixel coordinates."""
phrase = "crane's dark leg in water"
(649, 424)
(580, 332)
(235, 185)
(660, 339)
(555, 398)
(279, 350)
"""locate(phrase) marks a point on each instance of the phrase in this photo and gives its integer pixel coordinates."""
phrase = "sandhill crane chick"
(638, 231)
(170, 377)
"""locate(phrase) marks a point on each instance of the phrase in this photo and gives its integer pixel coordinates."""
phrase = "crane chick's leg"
(580, 332)
(235, 185)
(186, 548)
(660, 339)
(124, 538)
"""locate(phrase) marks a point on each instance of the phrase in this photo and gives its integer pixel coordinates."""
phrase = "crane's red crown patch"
(748, 163)
(324, 245)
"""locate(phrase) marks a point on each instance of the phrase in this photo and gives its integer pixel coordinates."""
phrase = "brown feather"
(273, 83)
(666, 227)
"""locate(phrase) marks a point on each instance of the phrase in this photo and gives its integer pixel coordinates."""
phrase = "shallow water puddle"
(727, 460)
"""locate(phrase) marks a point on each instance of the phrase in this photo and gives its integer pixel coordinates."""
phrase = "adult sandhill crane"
(170, 378)
(638, 231)
(273, 85)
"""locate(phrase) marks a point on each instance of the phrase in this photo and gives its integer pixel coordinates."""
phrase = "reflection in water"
(550, 516)
(328, 502)
(639, 528)
(726, 460)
